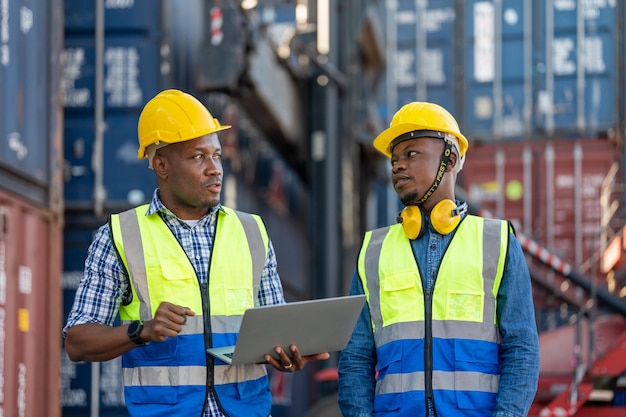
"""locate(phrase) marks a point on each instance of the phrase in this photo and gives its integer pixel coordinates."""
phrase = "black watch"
(133, 331)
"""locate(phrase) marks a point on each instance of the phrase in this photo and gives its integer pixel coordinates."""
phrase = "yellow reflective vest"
(174, 377)
(441, 344)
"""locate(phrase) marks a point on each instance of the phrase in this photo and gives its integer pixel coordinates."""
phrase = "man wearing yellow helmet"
(152, 265)
(448, 328)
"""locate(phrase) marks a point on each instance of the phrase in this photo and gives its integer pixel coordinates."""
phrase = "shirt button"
(433, 246)
(198, 257)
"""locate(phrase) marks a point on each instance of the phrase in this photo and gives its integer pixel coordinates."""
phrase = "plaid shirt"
(104, 284)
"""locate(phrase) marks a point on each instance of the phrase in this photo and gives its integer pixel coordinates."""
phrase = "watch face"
(132, 327)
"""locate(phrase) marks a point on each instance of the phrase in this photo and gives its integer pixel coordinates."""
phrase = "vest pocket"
(477, 374)
(400, 289)
(177, 273)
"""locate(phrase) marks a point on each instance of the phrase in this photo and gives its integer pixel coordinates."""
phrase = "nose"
(213, 167)
(397, 166)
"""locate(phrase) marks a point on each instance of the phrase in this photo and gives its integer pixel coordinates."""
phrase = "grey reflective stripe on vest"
(452, 381)
(257, 248)
(491, 256)
(188, 375)
(131, 239)
(372, 264)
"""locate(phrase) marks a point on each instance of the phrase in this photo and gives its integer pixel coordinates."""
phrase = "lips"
(400, 180)
(215, 186)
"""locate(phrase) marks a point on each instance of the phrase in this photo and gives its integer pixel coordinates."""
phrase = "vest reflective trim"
(461, 329)
(255, 242)
(451, 381)
(372, 266)
(131, 239)
(165, 376)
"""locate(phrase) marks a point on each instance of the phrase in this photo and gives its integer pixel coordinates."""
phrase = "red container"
(30, 309)
(550, 190)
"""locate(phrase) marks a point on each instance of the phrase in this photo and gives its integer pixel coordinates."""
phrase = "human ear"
(159, 164)
(452, 161)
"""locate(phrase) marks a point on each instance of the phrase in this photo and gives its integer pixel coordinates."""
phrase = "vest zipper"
(428, 348)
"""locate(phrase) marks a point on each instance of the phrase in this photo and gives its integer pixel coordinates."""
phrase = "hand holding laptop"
(296, 362)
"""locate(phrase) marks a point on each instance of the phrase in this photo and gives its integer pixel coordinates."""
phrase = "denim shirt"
(519, 349)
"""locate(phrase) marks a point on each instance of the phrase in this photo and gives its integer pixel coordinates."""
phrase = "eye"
(198, 157)
(217, 156)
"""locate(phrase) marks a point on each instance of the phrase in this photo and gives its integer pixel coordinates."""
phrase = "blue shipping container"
(132, 63)
(125, 16)
(26, 98)
(424, 62)
(519, 69)
(497, 68)
(577, 67)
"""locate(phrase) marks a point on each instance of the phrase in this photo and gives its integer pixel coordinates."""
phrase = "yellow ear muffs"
(443, 217)
(411, 219)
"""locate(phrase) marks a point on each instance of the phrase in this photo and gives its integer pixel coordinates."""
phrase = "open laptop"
(314, 326)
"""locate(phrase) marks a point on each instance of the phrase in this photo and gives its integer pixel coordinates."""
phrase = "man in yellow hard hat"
(448, 328)
(180, 272)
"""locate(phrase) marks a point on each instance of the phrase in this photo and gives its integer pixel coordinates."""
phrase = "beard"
(409, 198)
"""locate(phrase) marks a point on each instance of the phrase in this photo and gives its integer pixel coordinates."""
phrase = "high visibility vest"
(172, 378)
(443, 344)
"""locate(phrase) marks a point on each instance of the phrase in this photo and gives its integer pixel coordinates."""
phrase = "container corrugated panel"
(132, 75)
(550, 190)
(29, 49)
(76, 377)
(425, 58)
(120, 15)
(513, 69)
(30, 303)
(497, 77)
(576, 44)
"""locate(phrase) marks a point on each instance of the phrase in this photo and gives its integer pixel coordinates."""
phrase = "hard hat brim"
(383, 141)
(142, 151)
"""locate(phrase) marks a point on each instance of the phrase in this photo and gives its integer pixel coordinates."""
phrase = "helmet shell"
(419, 115)
(174, 116)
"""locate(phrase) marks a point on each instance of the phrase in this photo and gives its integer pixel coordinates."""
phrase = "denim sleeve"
(357, 365)
(519, 349)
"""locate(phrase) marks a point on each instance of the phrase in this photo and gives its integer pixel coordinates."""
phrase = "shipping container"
(424, 61)
(30, 40)
(30, 308)
(110, 72)
(79, 393)
(509, 69)
(31, 204)
(550, 190)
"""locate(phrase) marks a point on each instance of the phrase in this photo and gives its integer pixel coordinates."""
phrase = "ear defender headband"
(445, 216)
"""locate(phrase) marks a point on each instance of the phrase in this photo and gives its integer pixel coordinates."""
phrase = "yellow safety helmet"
(174, 116)
(420, 116)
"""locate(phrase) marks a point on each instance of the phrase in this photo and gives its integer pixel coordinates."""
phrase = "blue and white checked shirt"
(104, 284)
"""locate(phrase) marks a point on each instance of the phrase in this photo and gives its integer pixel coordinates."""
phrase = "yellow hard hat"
(174, 116)
(420, 116)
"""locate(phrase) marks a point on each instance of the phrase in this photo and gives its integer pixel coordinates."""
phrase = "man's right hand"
(168, 321)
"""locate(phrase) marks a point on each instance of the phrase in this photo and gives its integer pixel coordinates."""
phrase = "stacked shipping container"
(30, 207)
(535, 87)
(111, 70)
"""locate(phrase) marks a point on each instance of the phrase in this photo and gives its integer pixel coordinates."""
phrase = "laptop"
(314, 326)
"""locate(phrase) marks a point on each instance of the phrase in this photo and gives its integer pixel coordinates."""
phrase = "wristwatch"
(134, 329)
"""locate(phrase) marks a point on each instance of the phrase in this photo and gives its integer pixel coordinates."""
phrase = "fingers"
(168, 321)
(286, 363)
